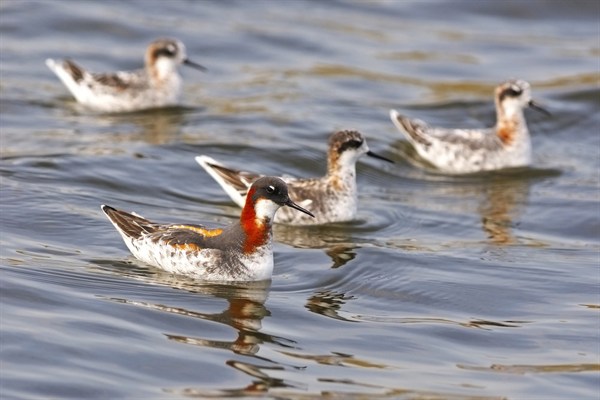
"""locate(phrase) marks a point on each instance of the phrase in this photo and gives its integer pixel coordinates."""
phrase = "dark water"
(479, 287)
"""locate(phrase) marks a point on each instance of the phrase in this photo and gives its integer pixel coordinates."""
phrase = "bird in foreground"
(333, 197)
(158, 84)
(242, 251)
(460, 151)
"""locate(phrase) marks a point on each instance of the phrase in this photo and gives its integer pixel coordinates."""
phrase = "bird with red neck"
(242, 251)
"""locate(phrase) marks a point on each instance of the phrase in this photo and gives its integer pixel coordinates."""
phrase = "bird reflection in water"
(328, 303)
(244, 312)
(261, 384)
(503, 194)
(502, 204)
(505, 197)
(156, 127)
(340, 254)
(243, 315)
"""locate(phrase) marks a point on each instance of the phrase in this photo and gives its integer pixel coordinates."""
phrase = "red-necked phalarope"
(460, 151)
(239, 252)
(157, 85)
(333, 197)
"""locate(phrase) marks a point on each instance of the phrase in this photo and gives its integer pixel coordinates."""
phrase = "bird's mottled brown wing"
(76, 72)
(131, 225)
(120, 81)
(185, 237)
(192, 237)
(415, 128)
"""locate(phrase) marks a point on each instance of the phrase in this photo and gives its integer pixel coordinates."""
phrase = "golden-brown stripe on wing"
(199, 229)
(184, 237)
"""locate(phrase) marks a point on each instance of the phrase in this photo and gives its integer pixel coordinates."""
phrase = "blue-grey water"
(476, 287)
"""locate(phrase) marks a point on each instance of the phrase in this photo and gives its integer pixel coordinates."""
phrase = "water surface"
(477, 287)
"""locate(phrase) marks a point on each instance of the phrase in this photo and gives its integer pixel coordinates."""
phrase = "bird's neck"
(162, 70)
(511, 125)
(256, 226)
(341, 171)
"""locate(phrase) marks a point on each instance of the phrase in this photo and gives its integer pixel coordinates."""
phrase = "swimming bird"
(459, 151)
(158, 84)
(242, 251)
(333, 197)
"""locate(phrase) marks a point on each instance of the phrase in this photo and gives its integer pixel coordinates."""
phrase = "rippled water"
(480, 287)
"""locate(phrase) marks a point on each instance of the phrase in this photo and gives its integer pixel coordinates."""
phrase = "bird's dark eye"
(167, 51)
(350, 144)
(513, 91)
(271, 189)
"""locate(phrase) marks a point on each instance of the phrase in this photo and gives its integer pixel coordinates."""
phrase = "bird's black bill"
(290, 203)
(194, 65)
(371, 154)
(539, 108)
